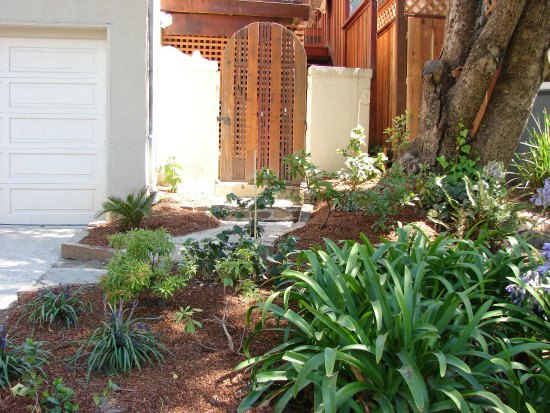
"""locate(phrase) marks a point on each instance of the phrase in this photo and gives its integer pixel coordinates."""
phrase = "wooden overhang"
(223, 18)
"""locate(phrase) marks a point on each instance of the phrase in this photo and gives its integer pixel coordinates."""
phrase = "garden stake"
(255, 197)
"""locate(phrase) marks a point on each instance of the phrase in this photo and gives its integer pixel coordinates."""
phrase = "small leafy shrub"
(393, 190)
(406, 326)
(359, 166)
(282, 258)
(130, 211)
(238, 266)
(533, 166)
(398, 135)
(56, 398)
(61, 306)
(144, 245)
(487, 207)
(143, 261)
(172, 173)
(205, 254)
(120, 344)
(101, 399)
(436, 189)
(59, 398)
(16, 361)
(126, 278)
(185, 317)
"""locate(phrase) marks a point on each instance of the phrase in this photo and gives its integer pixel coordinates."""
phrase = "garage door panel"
(53, 60)
(47, 130)
(56, 201)
(55, 95)
(52, 168)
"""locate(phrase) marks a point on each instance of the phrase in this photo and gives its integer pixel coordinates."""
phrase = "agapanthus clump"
(542, 198)
(537, 280)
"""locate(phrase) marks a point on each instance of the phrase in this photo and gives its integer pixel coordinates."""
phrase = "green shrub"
(16, 361)
(144, 245)
(185, 317)
(393, 190)
(533, 165)
(143, 261)
(61, 306)
(398, 135)
(359, 166)
(172, 173)
(126, 278)
(435, 190)
(120, 344)
(238, 266)
(59, 398)
(488, 207)
(408, 326)
(130, 211)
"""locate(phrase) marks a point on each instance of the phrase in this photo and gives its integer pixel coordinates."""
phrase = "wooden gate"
(263, 96)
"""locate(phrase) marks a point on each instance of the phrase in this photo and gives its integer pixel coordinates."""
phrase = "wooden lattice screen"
(426, 7)
(263, 100)
(211, 47)
(386, 14)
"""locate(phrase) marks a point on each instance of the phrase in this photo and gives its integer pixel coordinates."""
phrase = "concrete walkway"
(30, 256)
(26, 254)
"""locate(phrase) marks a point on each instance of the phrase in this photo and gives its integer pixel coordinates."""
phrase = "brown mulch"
(170, 216)
(197, 376)
(344, 225)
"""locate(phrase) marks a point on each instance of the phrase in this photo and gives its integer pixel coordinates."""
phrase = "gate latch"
(226, 120)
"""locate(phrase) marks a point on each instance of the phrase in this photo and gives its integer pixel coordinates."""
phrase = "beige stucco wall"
(337, 98)
(187, 99)
(126, 25)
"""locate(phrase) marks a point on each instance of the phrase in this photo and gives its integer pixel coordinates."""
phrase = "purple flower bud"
(3, 337)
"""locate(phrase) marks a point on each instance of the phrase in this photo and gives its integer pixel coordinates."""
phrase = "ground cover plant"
(409, 325)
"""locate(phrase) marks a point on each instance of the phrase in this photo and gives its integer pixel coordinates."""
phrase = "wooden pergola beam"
(269, 9)
(213, 25)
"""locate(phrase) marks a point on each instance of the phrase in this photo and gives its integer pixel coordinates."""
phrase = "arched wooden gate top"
(263, 100)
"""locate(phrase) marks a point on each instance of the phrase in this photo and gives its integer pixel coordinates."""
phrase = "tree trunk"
(520, 77)
(455, 86)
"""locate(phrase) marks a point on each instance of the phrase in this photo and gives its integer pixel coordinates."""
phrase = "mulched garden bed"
(168, 215)
(198, 376)
(344, 225)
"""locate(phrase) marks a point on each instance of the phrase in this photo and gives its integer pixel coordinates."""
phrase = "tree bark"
(455, 87)
(520, 77)
(467, 95)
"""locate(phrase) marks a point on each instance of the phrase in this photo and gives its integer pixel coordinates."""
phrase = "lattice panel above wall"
(426, 7)
(386, 14)
(211, 47)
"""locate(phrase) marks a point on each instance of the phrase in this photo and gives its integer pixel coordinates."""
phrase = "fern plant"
(130, 211)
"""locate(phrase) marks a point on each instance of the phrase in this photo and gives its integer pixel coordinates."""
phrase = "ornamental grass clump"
(61, 307)
(121, 344)
(410, 325)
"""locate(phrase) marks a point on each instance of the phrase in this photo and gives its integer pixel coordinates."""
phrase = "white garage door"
(52, 129)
